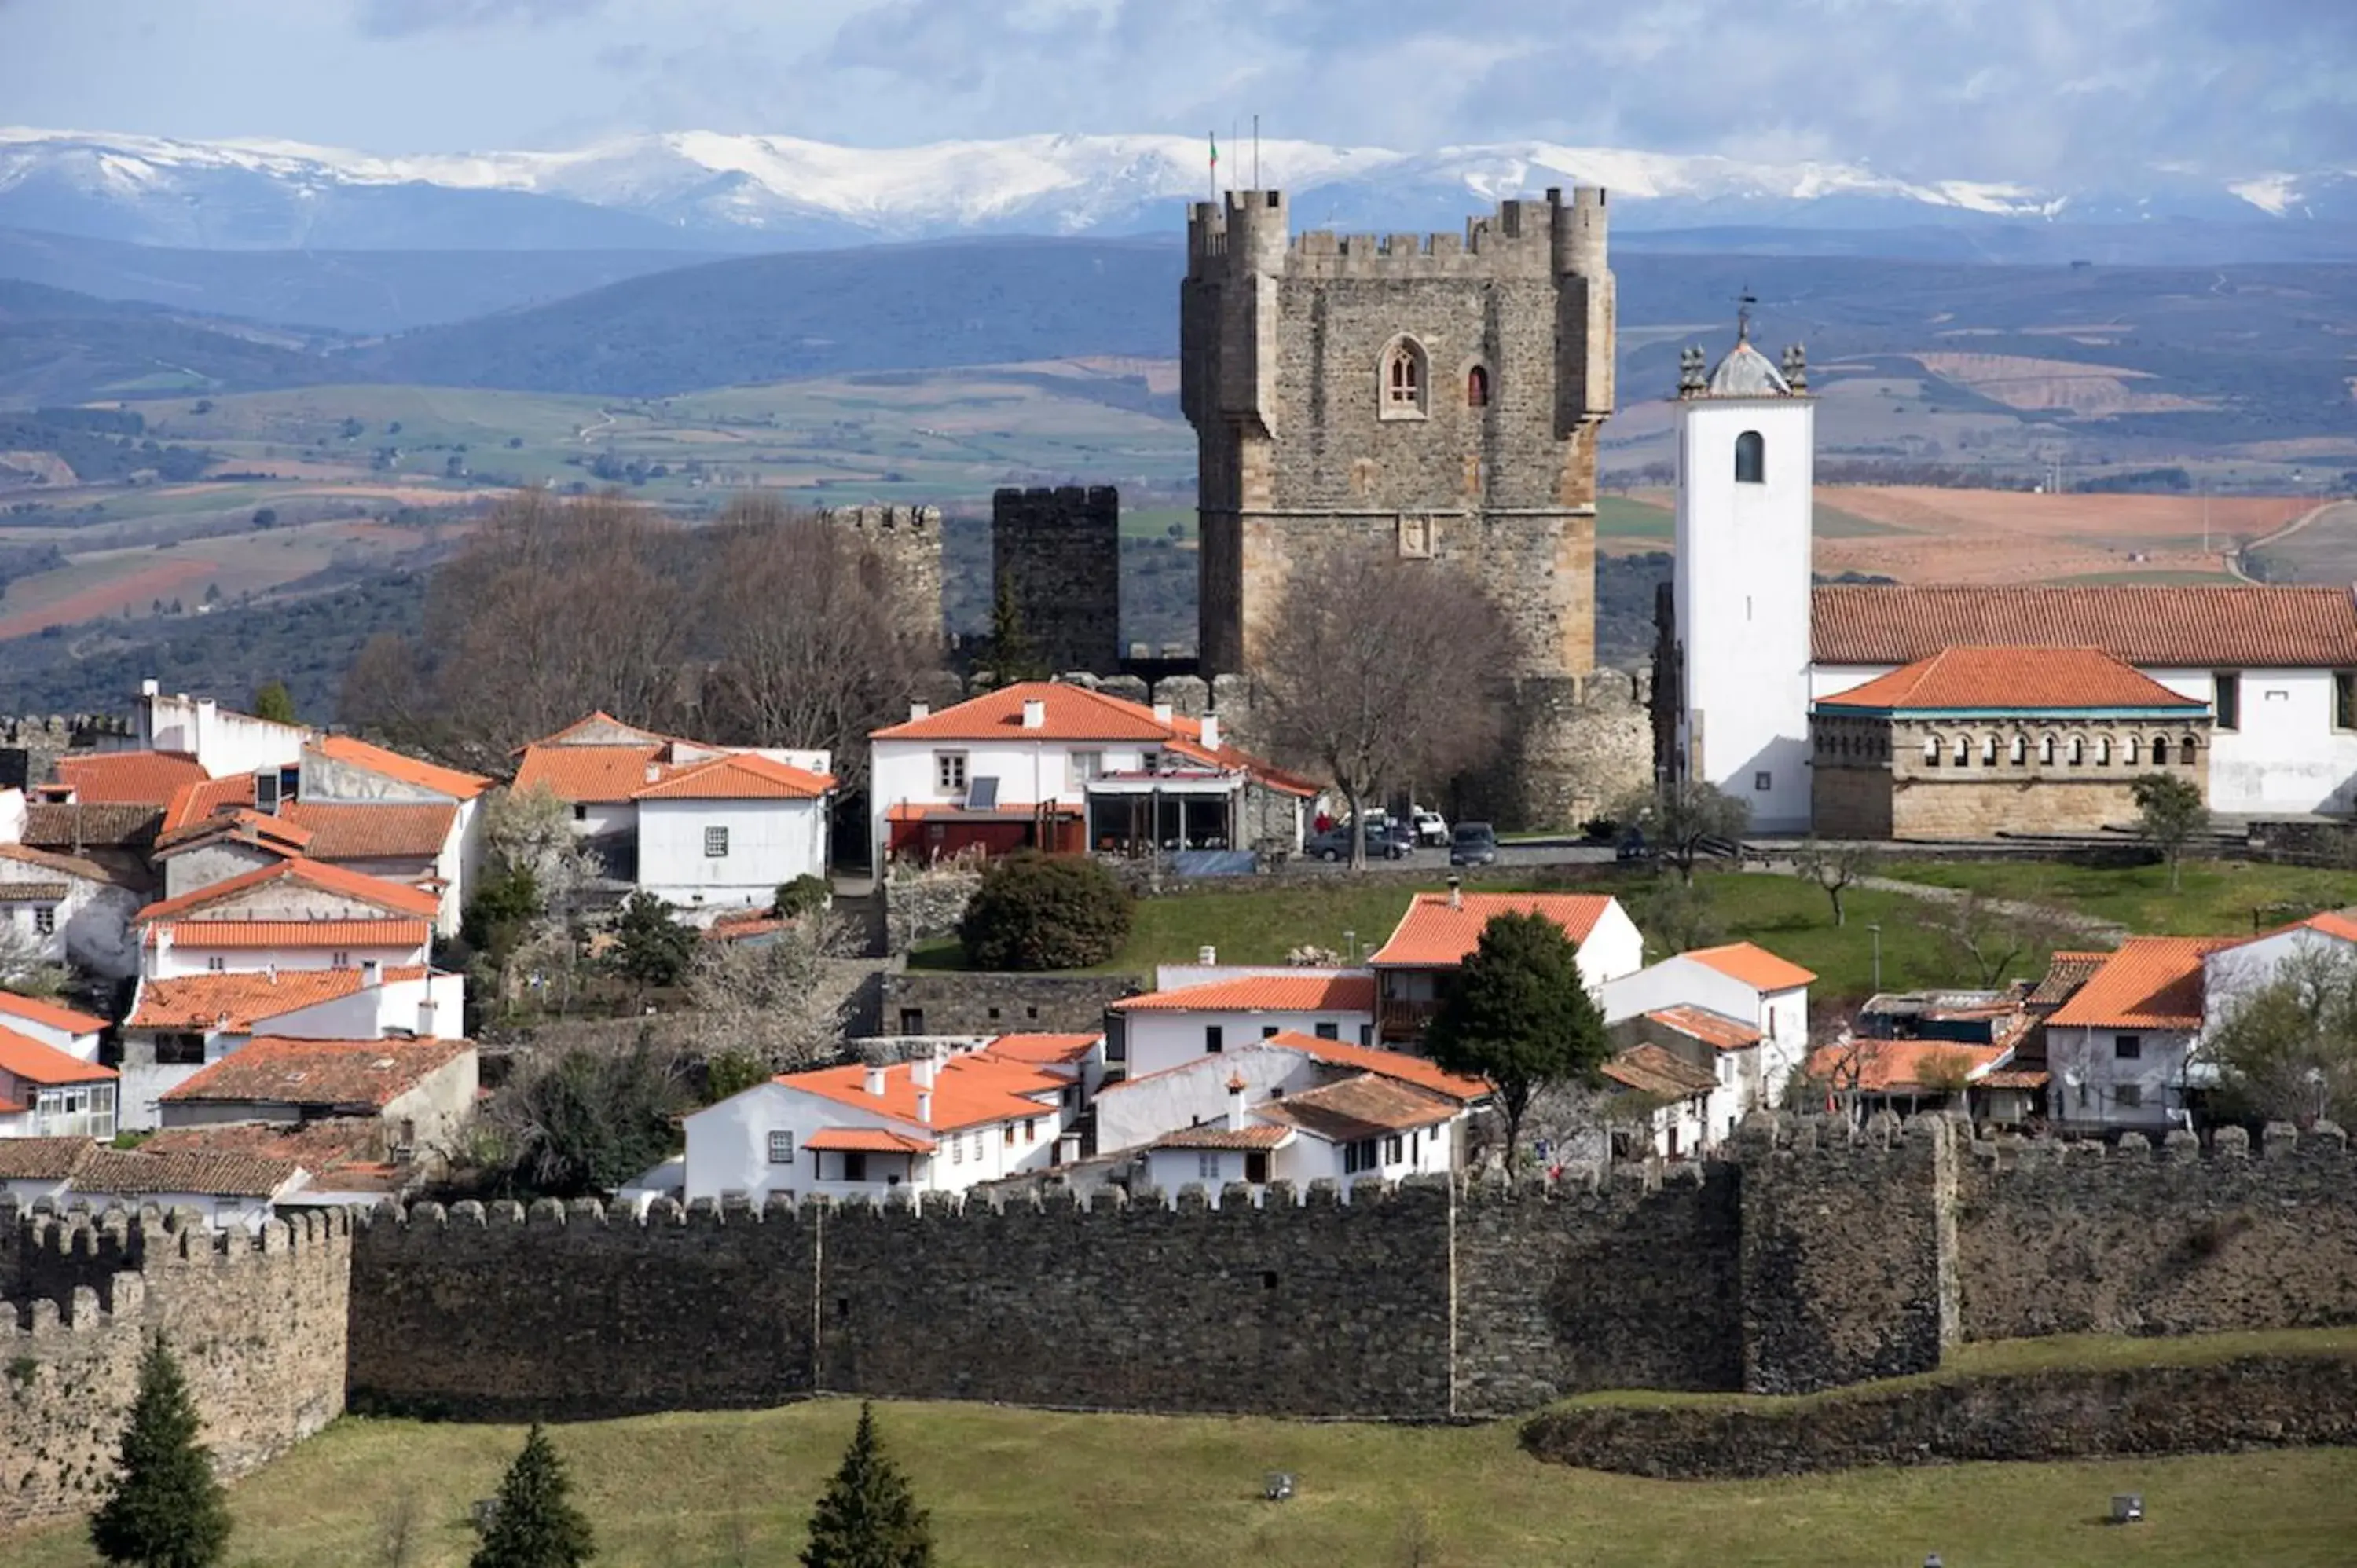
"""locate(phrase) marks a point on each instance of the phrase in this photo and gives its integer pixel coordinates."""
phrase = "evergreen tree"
(274, 703)
(1519, 1015)
(1012, 656)
(869, 1518)
(163, 1509)
(534, 1526)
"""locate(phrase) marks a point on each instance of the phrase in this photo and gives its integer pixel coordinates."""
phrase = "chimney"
(654, 772)
(1238, 1117)
(1162, 714)
(427, 1019)
(162, 948)
(1035, 714)
(925, 1106)
(1457, 892)
(920, 710)
(1210, 732)
(876, 1082)
(921, 1072)
(151, 687)
(371, 972)
(1207, 955)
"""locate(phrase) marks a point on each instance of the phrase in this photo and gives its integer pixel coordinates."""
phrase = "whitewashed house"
(2117, 1051)
(54, 1024)
(46, 1092)
(1671, 1115)
(229, 1191)
(287, 914)
(420, 1090)
(1441, 930)
(935, 1124)
(1736, 1011)
(70, 909)
(221, 740)
(1167, 1027)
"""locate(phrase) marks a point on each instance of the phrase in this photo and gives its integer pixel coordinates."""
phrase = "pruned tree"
(164, 1508)
(867, 1518)
(1992, 936)
(770, 1002)
(1682, 818)
(815, 643)
(2170, 813)
(1519, 1015)
(2286, 1047)
(1835, 868)
(535, 1524)
(1380, 668)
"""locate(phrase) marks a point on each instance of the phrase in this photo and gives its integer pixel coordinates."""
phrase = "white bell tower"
(1746, 439)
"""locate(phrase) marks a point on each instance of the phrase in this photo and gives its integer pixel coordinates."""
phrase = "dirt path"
(2070, 920)
(2234, 557)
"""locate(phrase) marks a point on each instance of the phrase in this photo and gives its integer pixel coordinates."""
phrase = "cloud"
(402, 18)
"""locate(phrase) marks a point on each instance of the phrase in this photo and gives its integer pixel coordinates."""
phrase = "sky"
(1994, 89)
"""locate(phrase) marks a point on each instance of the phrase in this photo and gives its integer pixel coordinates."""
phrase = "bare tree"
(816, 643)
(1836, 867)
(2286, 1047)
(1682, 818)
(1992, 936)
(773, 1001)
(1379, 668)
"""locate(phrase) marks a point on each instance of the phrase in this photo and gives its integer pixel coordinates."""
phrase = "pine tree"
(869, 1518)
(535, 1527)
(275, 703)
(164, 1508)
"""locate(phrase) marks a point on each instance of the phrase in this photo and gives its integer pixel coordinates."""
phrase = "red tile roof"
(1716, 1030)
(1260, 1135)
(2065, 973)
(200, 799)
(274, 1070)
(868, 1140)
(968, 1090)
(201, 1001)
(1262, 993)
(1042, 1049)
(451, 781)
(79, 827)
(1417, 1070)
(348, 1150)
(28, 1058)
(240, 824)
(1072, 713)
(2339, 924)
(359, 830)
(2191, 626)
(48, 860)
(588, 775)
(2152, 983)
(2012, 679)
(1885, 1067)
(742, 777)
(206, 1173)
(1754, 965)
(35, 1010)
(1650, 1070)
(1436, 934)
(609, 730)
(362, 888)
(248, 934)
(1358, 1107)
(128, 778)
(42, 1159)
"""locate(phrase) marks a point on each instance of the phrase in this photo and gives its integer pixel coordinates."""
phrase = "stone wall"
(907, 540)
(1056, 554)
(259, 1325)
(960, 1002)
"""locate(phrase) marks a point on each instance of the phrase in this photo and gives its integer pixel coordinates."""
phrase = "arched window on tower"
(1476, 387)
(1403, 379)
(1752, 458)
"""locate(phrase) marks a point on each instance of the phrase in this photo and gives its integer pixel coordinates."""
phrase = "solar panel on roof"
(982, 795)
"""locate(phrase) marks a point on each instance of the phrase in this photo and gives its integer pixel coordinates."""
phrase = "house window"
(2160, 751)
(1404, 381)
(957, 1150)
(949, 772)
(180, 1050)
(580, 813)
(1752, 458)
(1214, 1039)
(1359, 1157)
(2078, 750)
(2344, 699)
(2128, 1096)
(1087, 765)
(217, 963)
(2045, 751)
(2127, 1048)
(1328, 1030)
(45, 920)
(2226, 699)
(1006, 1134)
(1988, 751)
(855, 1164)
(715, 843)
(912, 1020)
(2017, 751)
(1476, 387)
(782, 1148)
(1762, 782)
(2128, 750)
(1932, 751)
(2188, 749)
(1268, 1031)
(339, 960)
(1030, 1128)
(1963, 750)
(1257, 1172)
(2102, 751)
(1394, 1149)
(1366, 1033)
(1207, 1167)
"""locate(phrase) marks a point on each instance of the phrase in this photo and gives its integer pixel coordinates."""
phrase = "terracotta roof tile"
(868, 1140)
(2065, 973)
(358, 830)
(241, 824)
(75, 828)
(200, 799)
(1754, 965)
(1071, 712)
(1358, 1107)
(128, 778)
(968, 1090)
(2012, 679)
(62, 865)
(1433, 934)
(2191, 626)
(454, 783)
(35, 1010)
(138, 1172)
(588, 775)
(2339, 924)
(325, 1146)
(1884, 1067)
(2152, 983)
(332, 934)
(1260, 1135)
(1716, 1030)
(274, 1070)
(1043, 1049)
(1418, 1071)
(42, 1159)
(200, 1000)
(1262, 993)
(22, 1057)
(362, 888)
(741, 777)
(1652, 1069)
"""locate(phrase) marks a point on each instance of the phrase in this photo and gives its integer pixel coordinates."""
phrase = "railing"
(1408, 1017)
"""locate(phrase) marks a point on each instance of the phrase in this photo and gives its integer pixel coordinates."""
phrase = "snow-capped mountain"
(707, 190)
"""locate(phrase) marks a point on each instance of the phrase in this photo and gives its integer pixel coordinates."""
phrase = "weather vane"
(1743, 303)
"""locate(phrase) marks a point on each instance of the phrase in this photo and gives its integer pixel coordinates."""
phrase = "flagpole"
(1255, 151)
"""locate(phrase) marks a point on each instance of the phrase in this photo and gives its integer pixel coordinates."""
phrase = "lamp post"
(1875, 930)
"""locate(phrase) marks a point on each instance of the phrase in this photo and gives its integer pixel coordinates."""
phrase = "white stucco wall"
(208, 863)
(770, 842)
(727, 1147)
(1422, 1151)
(90, 926)
(1165, 1039)
(2157, 1072)
(1743, 594)
(1141, 1109)
(1029, 773)
(188, 958)
(1680, 982)
(222, 740)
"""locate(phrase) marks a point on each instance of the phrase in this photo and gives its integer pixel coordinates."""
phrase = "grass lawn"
(1259, 923)
(2219, 897)
(1047, 1490)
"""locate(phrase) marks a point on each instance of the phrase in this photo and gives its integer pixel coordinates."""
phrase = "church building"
(1867, 711)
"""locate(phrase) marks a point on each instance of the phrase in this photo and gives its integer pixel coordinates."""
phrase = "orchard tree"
(1835, 868)
(535, 1524)
(650, 947)
(2169, 814)
(163, 1508)
(1519, 1015)
(867, 1517)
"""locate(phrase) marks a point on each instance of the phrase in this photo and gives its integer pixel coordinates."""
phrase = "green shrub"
(806, 895)
(1037, 912)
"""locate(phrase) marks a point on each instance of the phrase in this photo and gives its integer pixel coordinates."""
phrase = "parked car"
(1431, 827)
(1473, 843)
(1634, 850)
(1384, 842)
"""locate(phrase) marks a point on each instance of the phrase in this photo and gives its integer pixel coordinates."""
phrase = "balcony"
(1405, 1020)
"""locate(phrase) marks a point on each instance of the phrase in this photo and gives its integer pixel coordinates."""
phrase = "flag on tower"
(1215, 155)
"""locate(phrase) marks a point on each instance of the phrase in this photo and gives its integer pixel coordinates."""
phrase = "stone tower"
(906, 541)
(1747, 440)
(1439, 397)
(1057, 554)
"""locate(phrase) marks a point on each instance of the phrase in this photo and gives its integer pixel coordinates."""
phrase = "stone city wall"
(959, 1001)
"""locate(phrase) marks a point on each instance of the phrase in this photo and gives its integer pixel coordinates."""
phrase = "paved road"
(1540, 852)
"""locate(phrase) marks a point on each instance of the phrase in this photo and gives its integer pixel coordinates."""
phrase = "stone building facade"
(907, 540)
(1056, 555)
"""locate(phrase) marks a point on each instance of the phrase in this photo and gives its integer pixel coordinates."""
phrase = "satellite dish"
(2074, 1078)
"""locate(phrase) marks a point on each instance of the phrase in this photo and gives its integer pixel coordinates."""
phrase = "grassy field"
(1058, 1491)
(2221, 898)
(1260, 923)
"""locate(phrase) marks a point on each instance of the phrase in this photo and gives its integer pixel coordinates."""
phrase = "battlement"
(2321, 1149)
(1249, 232)
(915, 519)
(149, 1235)
(1057, 503)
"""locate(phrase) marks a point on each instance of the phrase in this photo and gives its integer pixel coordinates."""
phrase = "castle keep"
(1438, 397)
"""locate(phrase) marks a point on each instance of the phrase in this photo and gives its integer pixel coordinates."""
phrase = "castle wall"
(907, 540)
(1056, 554)
(259, 1325)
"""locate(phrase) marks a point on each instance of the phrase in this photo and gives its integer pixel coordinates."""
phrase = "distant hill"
(56, 345)
(766, 319)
